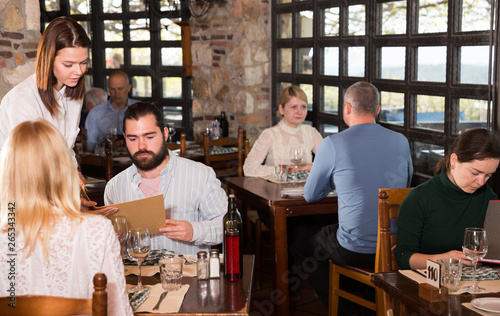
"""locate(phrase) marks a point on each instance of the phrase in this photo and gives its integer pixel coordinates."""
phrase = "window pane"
(171, 56)
(430, 112)
(170, 31)
(113, 31)
(473, 114)
(173, 114)
(431, 63)
(393, 63)
(393, 17)
(331, 21)
(140, 56)
(283, 1)
(308, 89)
(356, 61)
(112, 6)
(425, 156)
(285, 60)
(141, 86)
(172, 87)
(86, 27)
(392, 107)
(136, 6)
(357, 18)
(139, 30)
(284, 25)
(305, 60)
(432, 16)
(306, 24)
(52, 5)
(327, 129)
(79, 6)
(284, 85)
(330, 102)
(476, 15)
(474, 64)
(114, 58)
(331, 61)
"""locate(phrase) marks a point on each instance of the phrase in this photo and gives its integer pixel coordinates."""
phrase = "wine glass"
(171, 131)
(112, 136)
(138, 246)
(296, 158)
(475, 247)
(121, 229)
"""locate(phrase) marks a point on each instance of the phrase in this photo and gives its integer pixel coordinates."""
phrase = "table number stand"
(432, 290)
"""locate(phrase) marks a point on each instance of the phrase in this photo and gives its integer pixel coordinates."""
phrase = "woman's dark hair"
(62, 32)
(140, 109)
(474, 144)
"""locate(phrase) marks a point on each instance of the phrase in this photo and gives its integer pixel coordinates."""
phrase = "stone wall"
(231, 48)
(19, 37)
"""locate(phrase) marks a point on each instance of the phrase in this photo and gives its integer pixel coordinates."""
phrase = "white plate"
(293, 191)
(122, 159)
(488, 304)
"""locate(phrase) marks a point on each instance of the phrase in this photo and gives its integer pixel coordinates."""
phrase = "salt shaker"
(214, 264)
(202, 265)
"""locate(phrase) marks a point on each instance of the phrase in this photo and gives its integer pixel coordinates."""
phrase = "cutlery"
(162, 296)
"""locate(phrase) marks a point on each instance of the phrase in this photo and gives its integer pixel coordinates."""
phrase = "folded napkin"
(152, 259)
(171, 304)
(299, 191)
(482, 273)
(137, 298)
(188, 269)
(301, 176)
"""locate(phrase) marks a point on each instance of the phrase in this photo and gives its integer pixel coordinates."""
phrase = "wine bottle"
(232, 231)
(224, 125)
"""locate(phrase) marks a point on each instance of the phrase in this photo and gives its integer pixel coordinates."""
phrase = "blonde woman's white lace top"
(273, 147)
(77, 252)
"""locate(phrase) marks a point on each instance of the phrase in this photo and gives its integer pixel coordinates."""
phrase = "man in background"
(93, 97)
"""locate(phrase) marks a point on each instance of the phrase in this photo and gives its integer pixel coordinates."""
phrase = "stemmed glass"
(121, 229)
(475, 247)
(112, 136)
(171, 131)
(296, 158)
(138, 246)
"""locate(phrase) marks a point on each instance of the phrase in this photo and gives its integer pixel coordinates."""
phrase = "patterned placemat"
(301, 175)
(215, 150)
(152, 259)
(137, 298)
(482, 273)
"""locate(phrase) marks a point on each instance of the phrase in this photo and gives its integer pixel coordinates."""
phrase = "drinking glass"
(475, 247)
(121, 228)
(171, 131)
(296, 158)
(138, 246)
(112, 136)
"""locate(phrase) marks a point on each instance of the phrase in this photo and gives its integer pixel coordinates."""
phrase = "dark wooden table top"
(214, 296)
(405, 290)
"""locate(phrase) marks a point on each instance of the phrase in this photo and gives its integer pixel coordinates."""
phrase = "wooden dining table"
(213, 296)
(404, 292)
(266, 196)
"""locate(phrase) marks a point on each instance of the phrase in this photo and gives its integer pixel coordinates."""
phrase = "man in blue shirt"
(356, 163)
(110, 113)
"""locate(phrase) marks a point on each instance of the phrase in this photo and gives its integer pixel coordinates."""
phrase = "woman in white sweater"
(274, 144)
(47, 244)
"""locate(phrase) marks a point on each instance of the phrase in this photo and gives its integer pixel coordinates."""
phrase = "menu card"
(493, 232)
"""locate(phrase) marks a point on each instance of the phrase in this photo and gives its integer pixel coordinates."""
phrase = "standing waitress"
(55, 92)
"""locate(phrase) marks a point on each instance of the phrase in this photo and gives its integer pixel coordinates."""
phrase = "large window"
(432, 61)
(140, 38)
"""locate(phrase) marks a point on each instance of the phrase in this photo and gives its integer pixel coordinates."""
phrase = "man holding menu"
(194, 200)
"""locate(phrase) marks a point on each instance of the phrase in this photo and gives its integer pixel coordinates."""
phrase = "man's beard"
(149, 163)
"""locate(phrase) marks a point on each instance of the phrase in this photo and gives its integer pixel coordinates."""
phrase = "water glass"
(451, 272)
(281, 172)
(171, 273)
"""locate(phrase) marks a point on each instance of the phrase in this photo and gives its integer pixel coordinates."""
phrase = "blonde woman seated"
(274, 144)
(58, 248)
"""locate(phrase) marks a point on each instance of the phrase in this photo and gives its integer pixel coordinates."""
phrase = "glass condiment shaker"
(214, 264)
(202, 265)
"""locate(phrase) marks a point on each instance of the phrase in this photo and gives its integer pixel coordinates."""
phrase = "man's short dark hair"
(141, 109)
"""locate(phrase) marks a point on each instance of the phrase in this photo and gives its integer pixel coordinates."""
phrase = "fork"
(162, 296)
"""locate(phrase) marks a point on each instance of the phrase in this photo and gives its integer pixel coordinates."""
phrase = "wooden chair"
(60, 306)
(181, 146)
(97, 166)
(388, 203)
(230, 164)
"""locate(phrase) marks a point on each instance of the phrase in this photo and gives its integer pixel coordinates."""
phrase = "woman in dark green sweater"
(434, 215)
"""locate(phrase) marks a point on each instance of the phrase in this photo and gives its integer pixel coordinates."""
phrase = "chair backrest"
(60, 306)
(389, 201)
(225, 164)
(181, 145)
(97, 166)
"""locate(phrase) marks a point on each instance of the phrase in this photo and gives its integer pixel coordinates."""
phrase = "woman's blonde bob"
(39, 180)
(287, 94)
